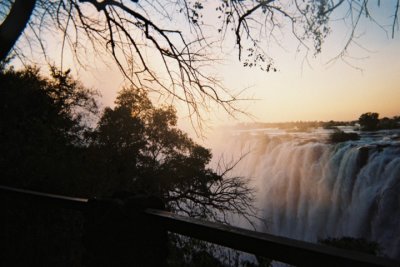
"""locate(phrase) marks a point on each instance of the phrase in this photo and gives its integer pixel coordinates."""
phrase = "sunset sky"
(324, 92)
(298, 91)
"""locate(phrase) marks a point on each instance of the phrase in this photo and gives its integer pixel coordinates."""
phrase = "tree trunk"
(14, 25)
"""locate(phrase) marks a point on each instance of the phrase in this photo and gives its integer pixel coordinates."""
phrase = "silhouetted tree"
(369, 121)
(42, 127)
(141, 149)
(46, 145)
(389, 123)
(42, 147)
(178, 36)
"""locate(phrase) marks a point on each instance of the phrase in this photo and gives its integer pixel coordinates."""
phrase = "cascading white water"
(309, 189)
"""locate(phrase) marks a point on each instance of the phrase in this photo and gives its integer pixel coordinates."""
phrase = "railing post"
(118, 234)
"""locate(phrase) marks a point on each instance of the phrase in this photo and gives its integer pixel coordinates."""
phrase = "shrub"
(339, 136)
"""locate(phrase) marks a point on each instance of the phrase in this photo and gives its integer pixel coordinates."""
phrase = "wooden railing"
(282, 249)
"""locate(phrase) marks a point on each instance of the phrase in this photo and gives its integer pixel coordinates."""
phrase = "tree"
(43, 123)
(389, 123)
(140, 149)
(47, 145)
(176, 34)
(369, 121)
(136, 147)
(14, 23)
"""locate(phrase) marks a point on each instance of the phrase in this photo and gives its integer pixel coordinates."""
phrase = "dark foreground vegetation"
(339, 136)
(355, 244)
(54, 139)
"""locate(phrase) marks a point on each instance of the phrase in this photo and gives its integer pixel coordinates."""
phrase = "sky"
(298, 91)
(336, 91)
(305, 91)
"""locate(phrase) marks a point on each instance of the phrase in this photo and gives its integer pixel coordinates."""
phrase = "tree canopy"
(47, 145)
(42, 125)
(166, 46)
(142, 146)
(369, 121)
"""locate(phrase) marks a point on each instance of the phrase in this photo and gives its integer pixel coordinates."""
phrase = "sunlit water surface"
(309, 189)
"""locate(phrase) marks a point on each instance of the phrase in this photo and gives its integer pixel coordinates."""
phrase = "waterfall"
(309, 189)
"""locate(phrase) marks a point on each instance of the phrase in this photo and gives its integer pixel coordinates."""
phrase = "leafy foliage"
(369, 121)
(389, 123)
(41, 127)
(339, 136)
(46, 145)
(351, 243)
(135, 146)
(150, 154)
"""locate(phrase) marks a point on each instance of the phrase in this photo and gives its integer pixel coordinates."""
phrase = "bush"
(369, 121)
(355, 244)
(340, 136)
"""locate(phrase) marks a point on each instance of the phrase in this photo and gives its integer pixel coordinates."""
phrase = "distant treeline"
(367, 121)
